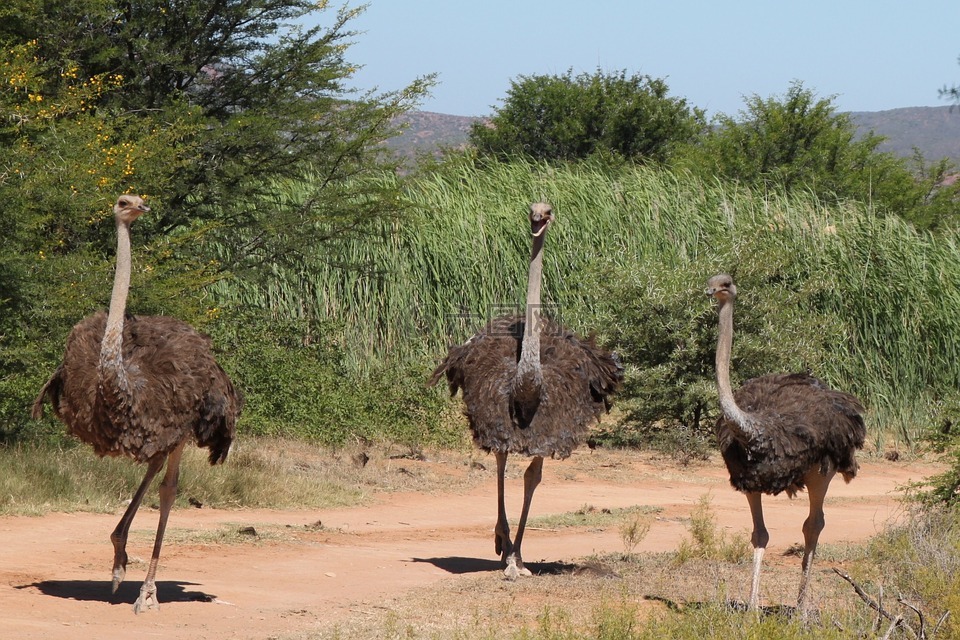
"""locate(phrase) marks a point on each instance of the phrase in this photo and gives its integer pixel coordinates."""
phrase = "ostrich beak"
(539, 227)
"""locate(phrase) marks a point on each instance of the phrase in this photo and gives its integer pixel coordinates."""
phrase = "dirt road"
(299, 571)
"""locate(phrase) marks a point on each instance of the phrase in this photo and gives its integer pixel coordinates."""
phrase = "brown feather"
(578, 380)
(805, 424)
(179, 391)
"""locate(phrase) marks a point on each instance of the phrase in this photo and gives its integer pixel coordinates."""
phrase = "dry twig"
(873, 604)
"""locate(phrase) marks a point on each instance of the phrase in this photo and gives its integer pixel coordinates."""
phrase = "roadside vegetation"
(331, 282)
(909, 572)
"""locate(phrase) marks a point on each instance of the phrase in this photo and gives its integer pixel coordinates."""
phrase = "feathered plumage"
(805, 424)
(578, 382)
(179, 392)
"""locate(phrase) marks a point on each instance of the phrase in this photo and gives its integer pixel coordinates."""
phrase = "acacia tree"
(245, 92)
(209, 109)
(567, 117)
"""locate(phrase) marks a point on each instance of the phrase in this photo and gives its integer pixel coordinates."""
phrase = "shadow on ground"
(460, 565)
(778, 610)
(99, 591)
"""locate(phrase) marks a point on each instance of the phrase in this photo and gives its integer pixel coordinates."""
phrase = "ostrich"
(141, 387)
(782, 432)
(530, 387)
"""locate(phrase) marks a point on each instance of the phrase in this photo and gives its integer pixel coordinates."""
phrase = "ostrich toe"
(118, 575)
(515, 569)
(511, 573)
(147, 599)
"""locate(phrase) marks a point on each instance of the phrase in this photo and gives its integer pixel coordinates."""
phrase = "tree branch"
(876, 606)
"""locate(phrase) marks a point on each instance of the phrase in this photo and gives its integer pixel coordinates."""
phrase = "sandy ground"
(304, 571)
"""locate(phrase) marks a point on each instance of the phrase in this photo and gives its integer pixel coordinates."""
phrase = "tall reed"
(459, 256)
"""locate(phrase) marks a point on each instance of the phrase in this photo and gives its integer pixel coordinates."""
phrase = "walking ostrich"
(141, 387)
(530, 387)
(782, 432)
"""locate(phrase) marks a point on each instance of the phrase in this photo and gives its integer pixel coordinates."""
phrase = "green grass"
(864, 301)
(263, 473)
(590, 516)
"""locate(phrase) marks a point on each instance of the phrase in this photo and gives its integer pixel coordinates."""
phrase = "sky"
(870, 55)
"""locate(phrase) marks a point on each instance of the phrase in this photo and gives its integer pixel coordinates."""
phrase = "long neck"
(724, 345)
(111, 348)
(528, 368)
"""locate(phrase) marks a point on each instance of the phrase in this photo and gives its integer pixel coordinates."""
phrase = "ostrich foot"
(515, 569)
(809, 615)
(118, 575)
(119, 568)
(147, 599)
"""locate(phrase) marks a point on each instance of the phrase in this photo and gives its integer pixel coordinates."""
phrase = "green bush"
(296, 384)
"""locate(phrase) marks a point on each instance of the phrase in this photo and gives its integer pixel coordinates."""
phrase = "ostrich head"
(128, 208)
(722, 288)
(541, 215)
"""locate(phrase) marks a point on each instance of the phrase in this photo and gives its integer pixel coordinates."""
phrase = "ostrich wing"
(176, 387)
(578, 379)
(803, 422)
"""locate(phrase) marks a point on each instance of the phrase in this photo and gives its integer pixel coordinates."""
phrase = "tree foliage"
(207, 108)
(952, 92)
(199, 105)
(567, 117)
(801, 142)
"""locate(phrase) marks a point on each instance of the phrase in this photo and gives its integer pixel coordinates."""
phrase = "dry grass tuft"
(259, 473)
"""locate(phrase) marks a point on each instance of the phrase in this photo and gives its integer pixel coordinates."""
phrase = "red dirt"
(55, 569)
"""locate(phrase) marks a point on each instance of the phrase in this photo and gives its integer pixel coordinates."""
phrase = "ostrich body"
(782, 432)
(142, 387)
(530, 387)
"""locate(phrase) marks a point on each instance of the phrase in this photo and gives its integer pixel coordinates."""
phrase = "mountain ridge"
(934, 131)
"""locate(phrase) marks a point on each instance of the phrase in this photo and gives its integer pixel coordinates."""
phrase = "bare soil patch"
(414, 560)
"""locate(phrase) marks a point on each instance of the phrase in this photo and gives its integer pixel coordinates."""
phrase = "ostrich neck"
(747, 430)
(528, 368)
(111, 348)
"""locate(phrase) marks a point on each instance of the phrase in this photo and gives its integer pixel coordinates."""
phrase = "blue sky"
(872, 55)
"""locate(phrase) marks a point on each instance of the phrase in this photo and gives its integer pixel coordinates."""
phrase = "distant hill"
(933, 130)
(429, 133)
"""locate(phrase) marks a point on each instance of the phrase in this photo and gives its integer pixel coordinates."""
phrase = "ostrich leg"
(502, 531)
(119, 535)
(531, 478)
(759, 540)
(817, 485)
(168, 493)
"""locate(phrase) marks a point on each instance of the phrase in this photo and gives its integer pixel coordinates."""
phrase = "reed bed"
(458, 256)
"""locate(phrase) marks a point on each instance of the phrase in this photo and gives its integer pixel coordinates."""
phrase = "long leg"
(119, 535)
(502, 530)
(759, 541)
(168, 493)
(531, 478)
(817, 485)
